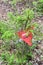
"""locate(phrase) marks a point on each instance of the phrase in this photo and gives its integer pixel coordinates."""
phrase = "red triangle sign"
(28, 39)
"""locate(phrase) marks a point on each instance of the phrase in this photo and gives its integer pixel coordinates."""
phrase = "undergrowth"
(8, 31)
(38, 6)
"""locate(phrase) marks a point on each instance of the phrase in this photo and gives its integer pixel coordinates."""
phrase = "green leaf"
(11, 59)
(34, 3)
(7, 35)
(41, 1)
(35, 24)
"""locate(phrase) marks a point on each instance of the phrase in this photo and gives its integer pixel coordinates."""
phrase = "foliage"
(5, 30)
(6, 57)
(9, 31)
(20, 57)
(30, 63)
(13, 2)
(20, 20)
(38, 6)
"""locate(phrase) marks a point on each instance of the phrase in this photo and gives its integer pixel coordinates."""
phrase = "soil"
(5, 7)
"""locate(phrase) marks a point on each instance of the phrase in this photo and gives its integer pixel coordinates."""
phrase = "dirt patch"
(4, 9)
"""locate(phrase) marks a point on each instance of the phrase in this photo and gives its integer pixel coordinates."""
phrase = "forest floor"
(38, 51)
